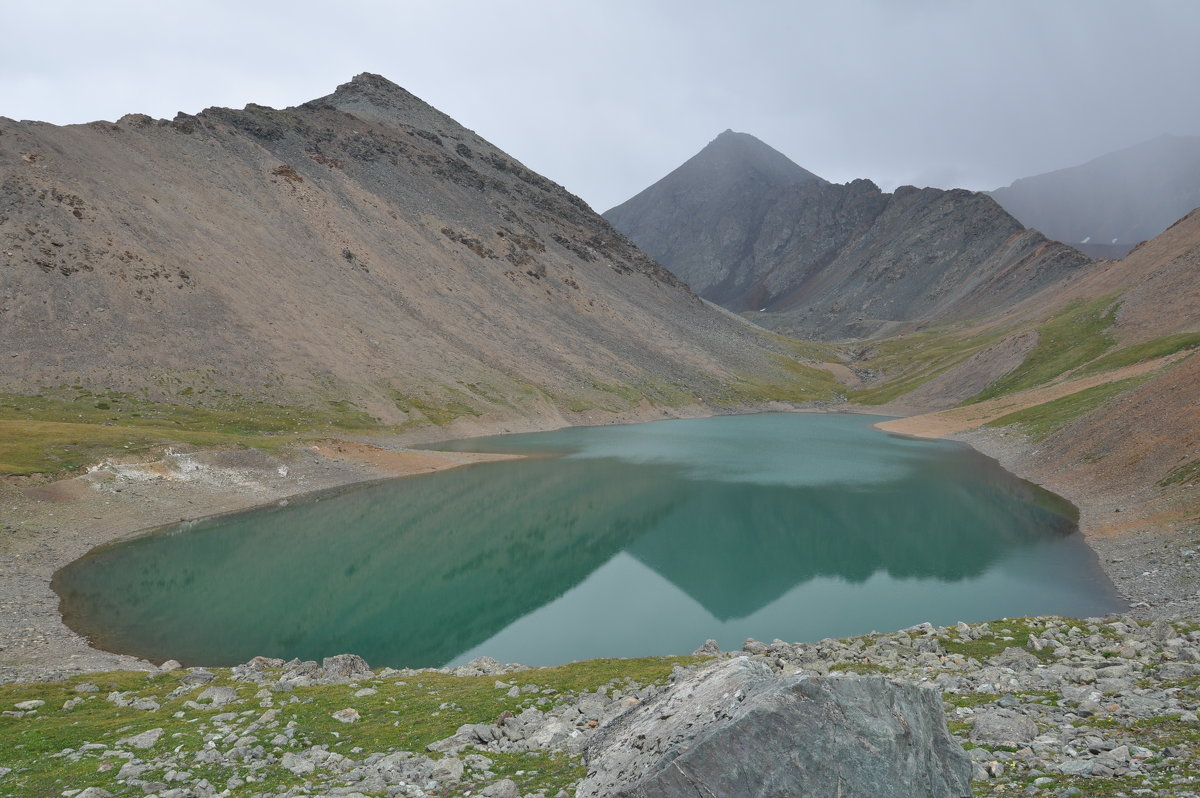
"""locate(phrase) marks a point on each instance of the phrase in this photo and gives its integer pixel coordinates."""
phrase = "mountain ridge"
(840, 261)
(362, 247)
(708, 203)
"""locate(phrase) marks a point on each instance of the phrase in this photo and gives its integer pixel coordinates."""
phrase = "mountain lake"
(606, 541)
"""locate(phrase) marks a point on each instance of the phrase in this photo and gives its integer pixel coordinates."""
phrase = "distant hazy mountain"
(749, 230)
(1109, 204)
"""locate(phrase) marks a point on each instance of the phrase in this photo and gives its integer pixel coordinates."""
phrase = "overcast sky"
(607, 96)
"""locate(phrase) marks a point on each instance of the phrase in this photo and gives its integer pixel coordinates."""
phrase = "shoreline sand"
(48, 526)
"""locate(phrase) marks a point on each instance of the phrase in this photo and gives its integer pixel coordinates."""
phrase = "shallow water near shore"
(627, 541)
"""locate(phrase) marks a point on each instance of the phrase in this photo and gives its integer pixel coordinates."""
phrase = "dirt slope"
(362, 247)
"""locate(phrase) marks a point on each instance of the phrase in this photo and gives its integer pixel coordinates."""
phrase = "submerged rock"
(739, 729)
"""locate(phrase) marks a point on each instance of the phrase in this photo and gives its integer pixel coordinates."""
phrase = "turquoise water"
(628, 540)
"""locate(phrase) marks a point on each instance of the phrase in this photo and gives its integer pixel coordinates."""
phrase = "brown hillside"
(362, 247)
(1118, 430)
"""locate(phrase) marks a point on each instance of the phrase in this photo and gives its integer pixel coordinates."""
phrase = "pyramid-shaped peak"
(371, 87)
(734, 155)
(374, 97)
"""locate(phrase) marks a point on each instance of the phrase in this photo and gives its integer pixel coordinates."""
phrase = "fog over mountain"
(606, 98)
(1106, 206)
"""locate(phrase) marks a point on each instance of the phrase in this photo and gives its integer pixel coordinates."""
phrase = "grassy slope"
(1075, 341)
(64, 429)
(406, 714)
(1076, 335)
(909, 361)
(1040, 421)
(410, 710)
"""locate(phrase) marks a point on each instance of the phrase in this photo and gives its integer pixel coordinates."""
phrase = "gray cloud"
(606, 98)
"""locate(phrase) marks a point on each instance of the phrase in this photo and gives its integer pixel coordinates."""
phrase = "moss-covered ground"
(406, 713)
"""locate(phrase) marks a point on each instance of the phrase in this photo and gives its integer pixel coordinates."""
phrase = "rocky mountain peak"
(733, 155)
(373, 86)
(375, 98)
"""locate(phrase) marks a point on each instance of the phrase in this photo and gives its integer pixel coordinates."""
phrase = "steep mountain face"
(1107, 205)
(841, 261)
(361, 247)
(700, 220)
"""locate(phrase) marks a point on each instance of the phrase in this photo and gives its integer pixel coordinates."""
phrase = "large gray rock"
(1003, 726)
(738, 729)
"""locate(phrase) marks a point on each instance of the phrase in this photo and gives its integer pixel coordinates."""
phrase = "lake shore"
(48, 526)
(1144, 543)
(45, 526)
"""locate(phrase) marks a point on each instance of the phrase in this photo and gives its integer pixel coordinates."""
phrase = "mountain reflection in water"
(426, 570)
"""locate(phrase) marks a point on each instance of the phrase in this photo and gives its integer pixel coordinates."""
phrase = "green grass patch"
(1045, 419)
(1011, 633)
(970, 699)
(860, 667)
(1078, 334)
(1182, 475)
(818, 351)
(436, 411)
(64, 429)
(912, 360)
(1140, 353)
(405, 714)
(796, 382)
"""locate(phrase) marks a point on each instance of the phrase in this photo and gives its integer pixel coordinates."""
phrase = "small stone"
(146, 739)
(217, 696)
(297, 764)
(347, 715)
(169, 665)
(505, 788)
(345, 667)
(32, 704)
(1077, 767)
(1002, 726)
(449, 769)
(366, 691)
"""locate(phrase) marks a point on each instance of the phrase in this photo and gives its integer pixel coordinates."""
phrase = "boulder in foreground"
(740, 730)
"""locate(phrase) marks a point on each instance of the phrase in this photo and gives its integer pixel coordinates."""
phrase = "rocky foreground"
(1043, 706)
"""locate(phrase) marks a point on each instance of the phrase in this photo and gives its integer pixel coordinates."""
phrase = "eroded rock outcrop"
(738, 729)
